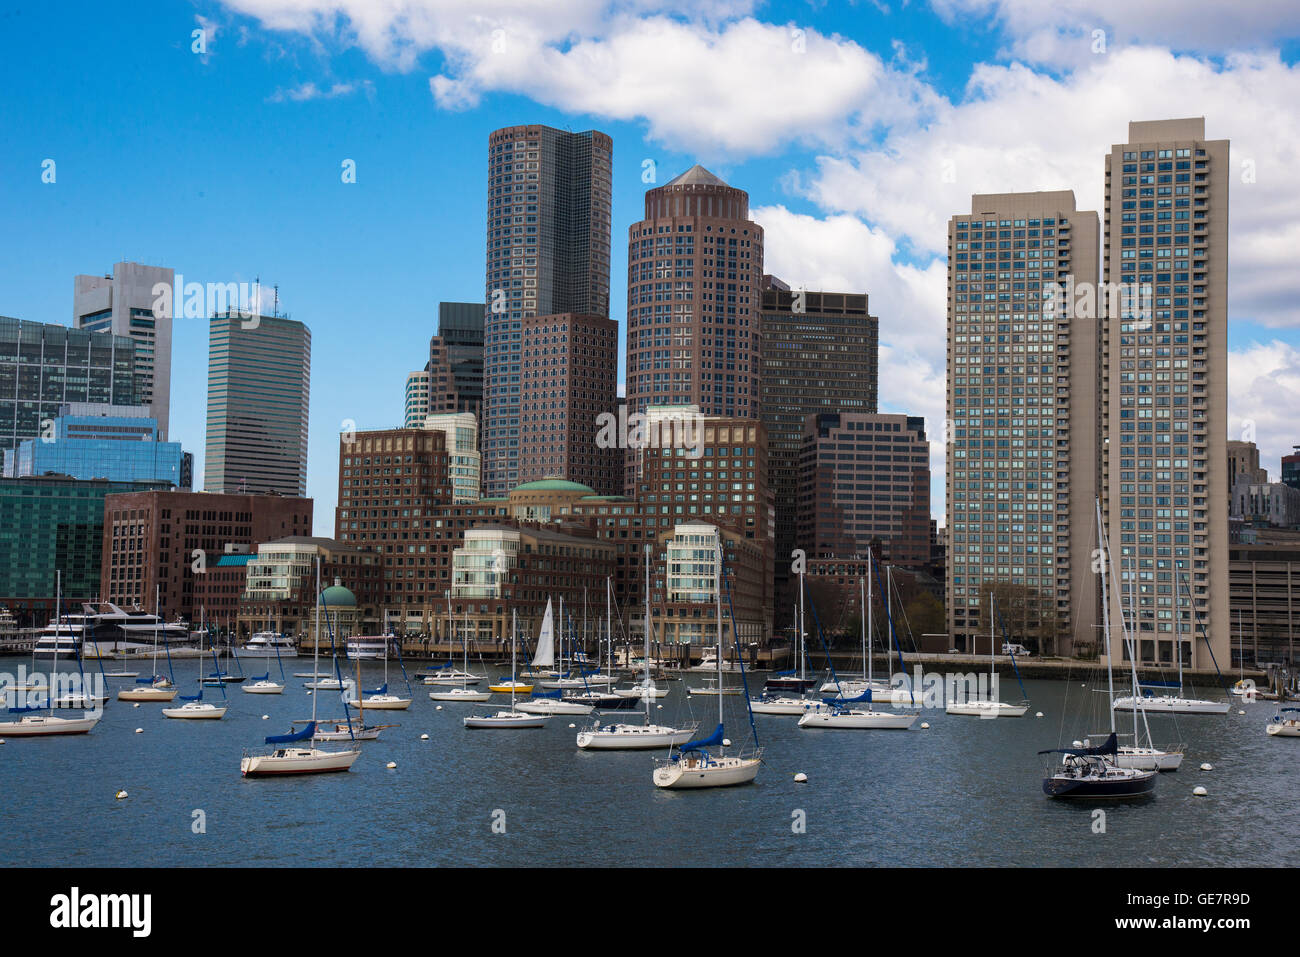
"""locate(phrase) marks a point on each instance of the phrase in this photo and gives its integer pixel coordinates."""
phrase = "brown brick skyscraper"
(695, 270)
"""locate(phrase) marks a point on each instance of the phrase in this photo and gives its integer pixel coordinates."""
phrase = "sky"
(858, 129)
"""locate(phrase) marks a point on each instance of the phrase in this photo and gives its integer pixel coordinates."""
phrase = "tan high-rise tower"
(1164, 387)
(1022, 432)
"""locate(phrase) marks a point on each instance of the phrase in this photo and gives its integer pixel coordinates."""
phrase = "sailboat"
(841, 714)
(512, 718)
(42, 725)
(691, 765)
(1094, 772)
(264, 684)
(1284, 727)
(298, 758)
(632, 737)
(464, 692)
(852, 686)
(379, 699)
(788, 704)
(1174, 703)
(989, 708)
(550, 702)
(195, 708)
(447, 674)
(155, 687)
(346, 730)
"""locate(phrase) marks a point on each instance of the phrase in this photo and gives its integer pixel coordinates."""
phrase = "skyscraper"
(548, 241)
(1164, 386)
(1021, 471)
(44, 366)
(122, 303)
(819, 355)
(259, 385)
(695, 270)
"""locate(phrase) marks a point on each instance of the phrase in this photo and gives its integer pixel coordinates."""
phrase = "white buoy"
(659, 707)
(438, 708)
(266, 717)
(801, 778)
(726, 742)
(309, 694)
(1199, 791)
(120, 794)
(1241, 712)
(136, 705)
(391, 764)
(1077, 744)
(2, 740)
(925, 725)
(139, 730)
(424, 737)
(572, 725)
(1207, 766)
(1038, 715)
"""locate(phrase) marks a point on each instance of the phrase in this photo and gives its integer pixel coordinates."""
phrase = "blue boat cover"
(193, 697)
(1159, 684)
(382, 689)
(557, 693)
(303, 735)
(783, 674)
(1109, 746)
(146, 681)
(21, 709)
(265, 677)
(699, 745)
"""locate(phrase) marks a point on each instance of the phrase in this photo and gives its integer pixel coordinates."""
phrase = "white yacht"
(269, 644)
(372, 646)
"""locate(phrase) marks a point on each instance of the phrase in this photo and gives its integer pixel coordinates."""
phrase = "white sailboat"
(988, 708)
(1172, 703)
(379, 699)
(297, 758)
(464, 692)
(625, 736)
(155, 687)
(447, 674)
(45, 725)
(841, 715)
(788, 704)
(195, 708)
(691, 765)
(549, 702)
(1284, 726)
(511, 718)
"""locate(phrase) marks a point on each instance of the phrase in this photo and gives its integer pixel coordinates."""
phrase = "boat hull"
(1149, 759)
(1168, 705)
(632, 737)
(856, 720)
(146, 694)
(716, 773)
(382, 703)
(1138, 784)
(987, 709)
(43, 726)
(291, 761)
(548, 706)
(786, 706)
(269, 687)
(211, 713)
(456, 695)
(1284, 730)
(504, 719)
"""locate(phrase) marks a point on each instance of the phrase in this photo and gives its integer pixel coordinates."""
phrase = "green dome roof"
(336, 596)
(555, 485)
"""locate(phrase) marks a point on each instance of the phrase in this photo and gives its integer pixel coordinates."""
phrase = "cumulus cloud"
(310, 91)
(1263, 396)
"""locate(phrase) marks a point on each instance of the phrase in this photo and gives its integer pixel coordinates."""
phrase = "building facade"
(457, 351)
(1021, 472)
(44, 367)
(460, 436)
(1164, 384)
(259, 387)
(278, 592)
(863, 479)
(121, 443)
(123, 304)
(568, 378)
(163, 540)
(418, 398)
(1291, 468)
(51, 524)
(820, 353)
(548, 243)
(695, 271)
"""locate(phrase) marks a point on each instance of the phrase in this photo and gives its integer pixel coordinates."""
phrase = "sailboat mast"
(54, 658)
(864, 589)
(1178, 638)
(717, 590)
(1105, 617)
(514, 618)
(802, 632)
(646, 653)
(315, 651)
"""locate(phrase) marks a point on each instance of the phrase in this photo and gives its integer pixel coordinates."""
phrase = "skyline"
(854, 198)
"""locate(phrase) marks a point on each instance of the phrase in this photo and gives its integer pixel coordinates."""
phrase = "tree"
(1026, 616)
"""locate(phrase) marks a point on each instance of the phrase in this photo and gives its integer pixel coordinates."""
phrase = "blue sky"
(226, 166)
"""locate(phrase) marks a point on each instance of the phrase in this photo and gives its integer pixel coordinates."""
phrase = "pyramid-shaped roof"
(696, 175)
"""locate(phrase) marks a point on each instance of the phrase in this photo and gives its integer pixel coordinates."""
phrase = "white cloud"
(1063, 29)
(1263, 397)
(310, 91)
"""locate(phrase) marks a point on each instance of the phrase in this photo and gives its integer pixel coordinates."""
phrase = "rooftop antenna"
(275, 302)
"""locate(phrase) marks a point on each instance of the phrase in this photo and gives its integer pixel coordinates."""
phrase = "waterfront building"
(819, 353)
(865, 478)
(548, 248)
(44, 367)
(278, 588)
(259, 385)
(1264, 592)
(456, 354)
(164, 538)
(418, 397)
(568, 378)
(51, 524)
(121, 443)
(1164, 385)
(122, 304)
(695, 273)
(1265, 503)
(1021, 471)
(1291, 468)
(460, 437)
